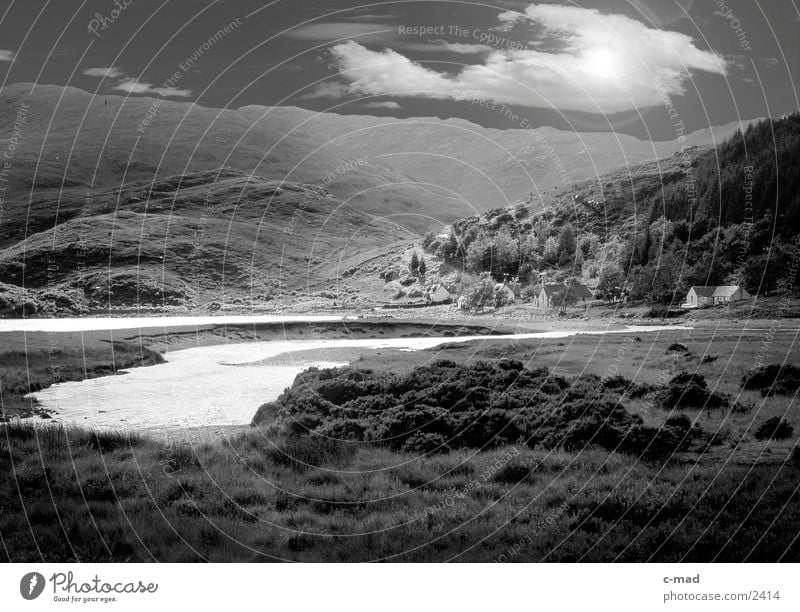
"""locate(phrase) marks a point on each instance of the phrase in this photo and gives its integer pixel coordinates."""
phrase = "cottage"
(438, 294)
(548, 296)
(511, 293)
(699, 296)
(726, 294)
(706, 295)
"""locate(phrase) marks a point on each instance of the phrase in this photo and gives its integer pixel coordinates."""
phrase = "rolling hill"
(189, 240)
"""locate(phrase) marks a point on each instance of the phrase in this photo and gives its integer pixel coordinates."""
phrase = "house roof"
(715, 291)
(435, 288)
(726, 290)
(552, 289)
(703, 290)
(516, 288)
(581, 291)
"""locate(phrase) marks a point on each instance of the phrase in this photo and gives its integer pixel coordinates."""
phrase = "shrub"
(689, 391)
(480, 405)
(774, 428)
(426, 443)
(773, 379)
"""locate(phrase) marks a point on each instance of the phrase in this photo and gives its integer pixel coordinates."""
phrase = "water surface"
(224, 384)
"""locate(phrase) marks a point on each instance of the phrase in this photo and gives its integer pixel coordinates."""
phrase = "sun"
(602, 63)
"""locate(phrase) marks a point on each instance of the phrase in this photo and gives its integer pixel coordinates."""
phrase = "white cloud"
(390, 105)
(104, 73)
(131, 85)
(330, 89)
(7, 56)
(603, 63)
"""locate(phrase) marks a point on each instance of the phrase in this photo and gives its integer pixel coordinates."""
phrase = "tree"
(566, 244)
(611, 280)
(550, 254)
(423, 267)
(589, 245)
(428, 239)
(414, 265)
(478, 291)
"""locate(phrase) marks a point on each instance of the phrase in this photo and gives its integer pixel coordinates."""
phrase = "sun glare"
(602, 63)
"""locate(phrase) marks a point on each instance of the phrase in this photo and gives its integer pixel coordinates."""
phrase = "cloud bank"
(580, 60)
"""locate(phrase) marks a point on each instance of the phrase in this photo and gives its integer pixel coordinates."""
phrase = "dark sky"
(589, 65)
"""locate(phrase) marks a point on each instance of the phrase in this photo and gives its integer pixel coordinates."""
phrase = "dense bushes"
(774, 428)
(689, 391)
(446, 406)
(773, 379)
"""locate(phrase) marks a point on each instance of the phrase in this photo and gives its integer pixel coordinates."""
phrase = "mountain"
(421, 172)
(485, 167)
(77, 142)
(189, 240)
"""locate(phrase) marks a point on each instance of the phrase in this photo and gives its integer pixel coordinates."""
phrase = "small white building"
(510, 292)
(725, 294)
(708, 295)
(438, 294)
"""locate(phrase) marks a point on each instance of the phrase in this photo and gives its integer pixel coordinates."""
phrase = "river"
(224, 384)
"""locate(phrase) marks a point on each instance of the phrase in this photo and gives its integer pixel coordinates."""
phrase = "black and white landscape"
(406, 282)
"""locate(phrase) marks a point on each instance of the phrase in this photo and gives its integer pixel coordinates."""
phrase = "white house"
(724, 294)
(699, 296)
(438, 294)
(548, 296)
(511, 292)
(705, 295)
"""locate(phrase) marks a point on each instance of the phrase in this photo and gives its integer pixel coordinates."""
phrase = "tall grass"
(76, 495)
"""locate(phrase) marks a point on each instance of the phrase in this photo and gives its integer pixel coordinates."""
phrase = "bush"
(774, 428)
(689, 391)
(773, 379)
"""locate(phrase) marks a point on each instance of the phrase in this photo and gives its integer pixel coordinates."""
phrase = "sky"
(641, 67)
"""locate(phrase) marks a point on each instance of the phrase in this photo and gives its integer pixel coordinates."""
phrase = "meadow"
(552, 492)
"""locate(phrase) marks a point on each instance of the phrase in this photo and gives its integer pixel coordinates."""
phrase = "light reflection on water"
(224, 384)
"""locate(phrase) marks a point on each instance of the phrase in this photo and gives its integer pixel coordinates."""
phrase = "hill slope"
(188, 240)
(78, 142)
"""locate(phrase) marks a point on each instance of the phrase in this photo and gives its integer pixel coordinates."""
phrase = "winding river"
(225, 384)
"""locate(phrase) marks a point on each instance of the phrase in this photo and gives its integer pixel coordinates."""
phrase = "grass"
(75, 495)
(25, 371)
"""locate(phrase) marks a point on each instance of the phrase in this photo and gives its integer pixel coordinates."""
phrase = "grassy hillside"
(80, 143)
(187, 240)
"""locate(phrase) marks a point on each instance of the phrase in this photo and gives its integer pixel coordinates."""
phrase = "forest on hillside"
(728, 215)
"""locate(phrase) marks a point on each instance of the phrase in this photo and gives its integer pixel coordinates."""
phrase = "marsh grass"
(70, 494)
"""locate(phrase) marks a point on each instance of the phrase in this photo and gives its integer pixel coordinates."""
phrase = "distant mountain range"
(127, 201)
(420, 172)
